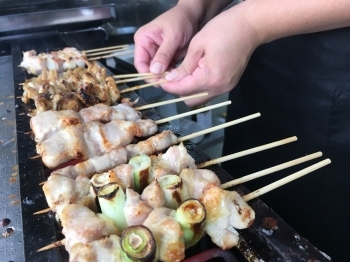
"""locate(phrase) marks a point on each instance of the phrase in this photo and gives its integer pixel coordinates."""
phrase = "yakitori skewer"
(161, 121)
(247, 197)
(113, 55)
(270, 170)
(286, 180)
(106, 48)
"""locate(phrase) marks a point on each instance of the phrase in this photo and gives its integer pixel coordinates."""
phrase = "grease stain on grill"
(5, 222)
(14, 174)
(12, 196)
(8, 232)
(269, 225)
(13, 179)
(15, 202)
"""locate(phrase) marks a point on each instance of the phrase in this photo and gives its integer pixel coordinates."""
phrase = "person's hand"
(216, 57)
(164, 40)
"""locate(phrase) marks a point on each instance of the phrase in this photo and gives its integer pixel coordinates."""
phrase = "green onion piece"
(112, 202)
(142, 166)
(98, 181)
(138, 244)
(191, 215)
(174, 190)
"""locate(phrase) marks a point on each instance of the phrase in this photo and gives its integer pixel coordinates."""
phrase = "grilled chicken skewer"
(74, 89)
(223, 208)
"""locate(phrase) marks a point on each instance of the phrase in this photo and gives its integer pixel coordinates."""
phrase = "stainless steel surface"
(11, 248)
(39, 20)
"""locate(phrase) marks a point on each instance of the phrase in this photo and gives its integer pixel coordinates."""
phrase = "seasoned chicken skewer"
(91, 139)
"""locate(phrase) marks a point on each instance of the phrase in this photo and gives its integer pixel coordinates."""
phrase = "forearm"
(273, 19)
(204, 10)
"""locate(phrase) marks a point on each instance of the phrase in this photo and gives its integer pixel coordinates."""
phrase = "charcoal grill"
(21, 195)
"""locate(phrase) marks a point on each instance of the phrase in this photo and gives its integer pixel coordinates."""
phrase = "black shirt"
(301, 86)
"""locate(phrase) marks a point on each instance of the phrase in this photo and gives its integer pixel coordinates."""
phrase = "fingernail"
(172, 75)
(156, 68)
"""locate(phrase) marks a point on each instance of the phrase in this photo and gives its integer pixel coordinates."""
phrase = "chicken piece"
(224, 209)
(33, 63)
(153, 195)
(168, 234)
(152, 145)
(91, 140)
(66, 145)
(102, 163)
(113, 91)
(136, 210)
(43, 103)
(49, 122)
(196, 180)
(105, 249)
(173, 161)
(122, 174)
(81, 225)
(104, 113)
(61, 191)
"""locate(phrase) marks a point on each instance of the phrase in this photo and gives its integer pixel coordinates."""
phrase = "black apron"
(301, 87)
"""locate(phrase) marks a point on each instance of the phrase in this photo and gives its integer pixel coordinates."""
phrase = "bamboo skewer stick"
(53, 245)
(42, 211)
(247, 152)
(215, 128)
(108, 51)
(141, 86)
(193, 112)
(105, 48)
(286, 180)
(169, 101)
(134, 75)
(112, 55)
(270, 170)
(139, 78)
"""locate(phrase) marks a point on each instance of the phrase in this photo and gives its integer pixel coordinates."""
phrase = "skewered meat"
(91, 139)
(196, 179)
(152, 145)
(68, 58)
(136, 210)
(74, 89)
(61, 191)
(46, 124)
(153, 195)
(81, 225)
(105, 249)
(168, 234)
(225, 208)
(95, 165)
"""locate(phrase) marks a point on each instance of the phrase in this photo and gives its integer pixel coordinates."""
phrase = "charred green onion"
(98, 181)
(112, 202)
(174, 190)
(142, 166)
(191, 215)
(138, 244)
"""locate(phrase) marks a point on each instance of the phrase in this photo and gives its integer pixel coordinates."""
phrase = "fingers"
(163, 56)
(188, 65)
